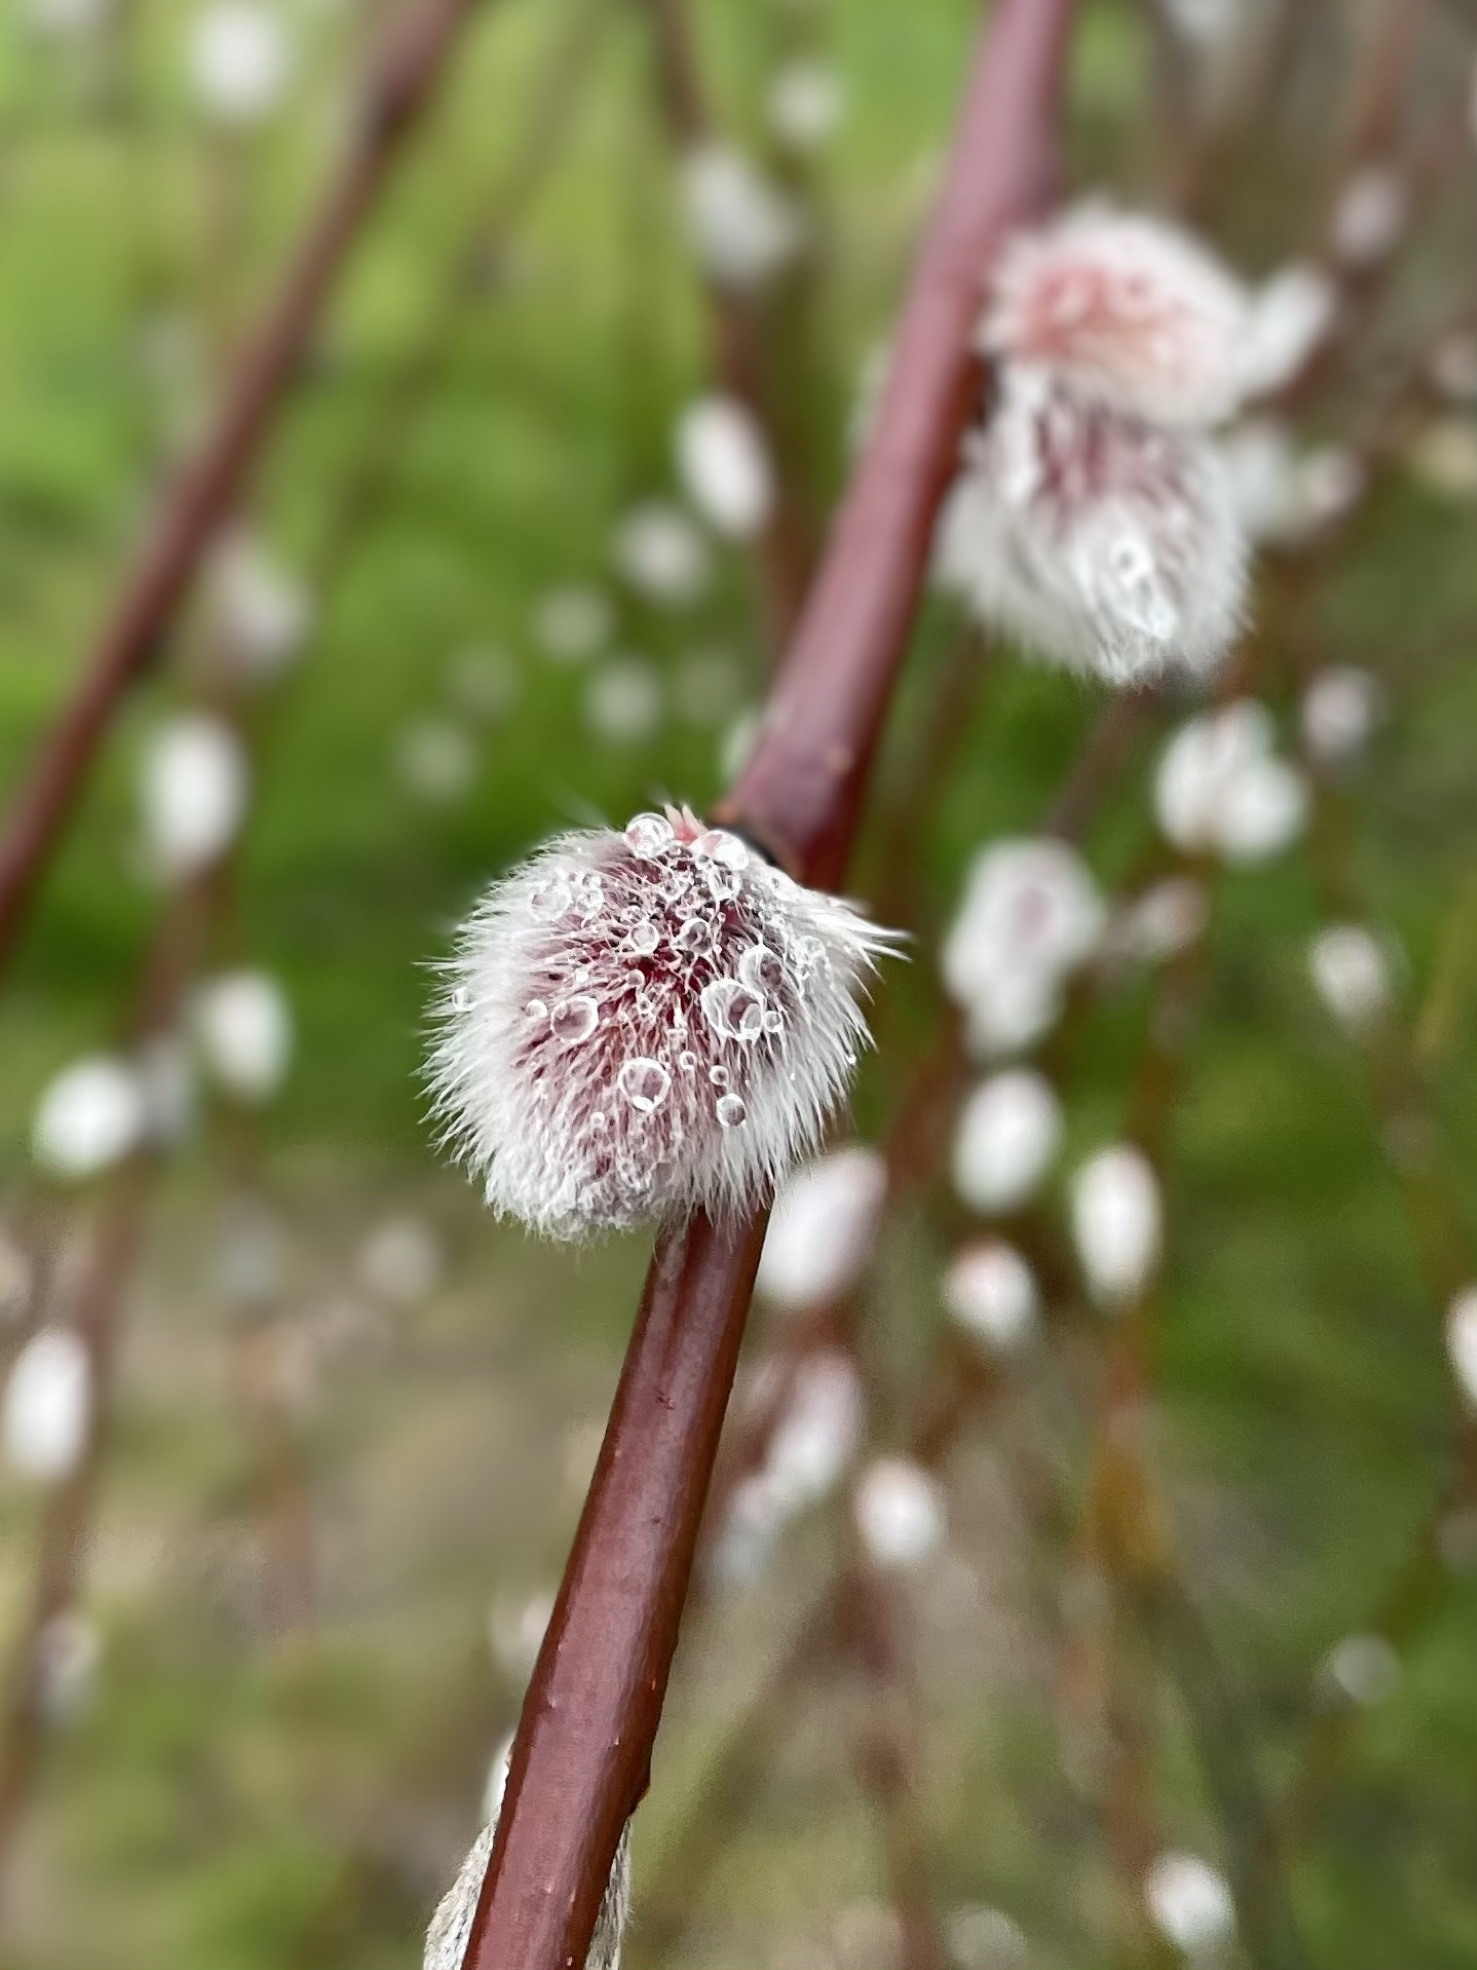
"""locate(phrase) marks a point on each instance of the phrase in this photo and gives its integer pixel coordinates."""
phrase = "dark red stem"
(581, 1757)
(414, 58)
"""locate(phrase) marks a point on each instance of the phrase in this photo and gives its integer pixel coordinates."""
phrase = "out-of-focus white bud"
(823, 1229)
(1351, 974)
(819, 1434)
(1031, 911)
(725, 466)
(402, 1262)
(243, 1028)
(241, 61)
(1454, 367)
(900, 1512)
(1161, 923)
(482, 683)
(1444, 458)
(1291, 314)
(69, 1653)
(516, 1625)
(1117, 1223)
(1105, 544)
(624, 701)
(1191, 1904)
(661, 554)
(1341, 708)
(451, 1925)
(1130, 313)
(1369, 217)
(1221, 790)
(1461, 1343)
(744, 230)
(1364, 1669)
(1280, 498)
(47, 1408)
(436, 761)
(806, 103)
(991, 1291)
(67, 20)
(264, 615)
(1208, 25)
(194, 793)
(985, 1939)
(573, 623)
(1009, 1133)
(89, 1117)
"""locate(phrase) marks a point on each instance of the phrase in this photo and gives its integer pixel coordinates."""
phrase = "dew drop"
(718, 1076)
(687, 1062)
(718, 845)
(773, 1022)
(598, 1121)
(461, 999)
(536, 1009)
(731, 1111)
(645, 1083)
(733, 1010)
(591, 898)
(694, 935)
(761, 969)
(644, 938)
(550, 900)
(648, 835)
(574, 1019)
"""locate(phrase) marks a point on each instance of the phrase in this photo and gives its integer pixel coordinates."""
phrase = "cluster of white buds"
(744, 229)
(645, 1022)
(1031, 916)
(991, 1291)
(1191, 1904)
(1117, 1222)
(1222, 790)
(900, 1512)
(725, 467)
(47, 1406)
(1092, 519)
(823, 1229)
(451, 1925)
(1008, 1136)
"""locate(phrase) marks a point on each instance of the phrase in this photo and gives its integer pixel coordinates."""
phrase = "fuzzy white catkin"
(1031, 914)
(1190, 1904)
(1461, 1343)
(264, 615)
(1008, 1136)
(991, 1291)
(1116, 1223)
(645, 1022)
(744, 230)
(1351, 974)
(1133, 315)
(1291, 314)
(900, 1512)
(819, 1434)
(47, 1406)
(1369, 216)
(1102, 543)
(451, 1925)
(1364, 1669)
(805, 104)
(822, 1229)
(1341, 710)
(243, 1028)
(240, 60)
(89, 1117)
(193, 794)
(573, 623)
(725, 466)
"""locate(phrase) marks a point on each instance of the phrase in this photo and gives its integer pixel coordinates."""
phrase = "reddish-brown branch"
(414, 58)
(581, 1756)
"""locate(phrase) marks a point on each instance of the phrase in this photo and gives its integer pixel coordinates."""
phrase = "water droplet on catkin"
(731, 1112)
(574, 1020)
(645, 1083)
